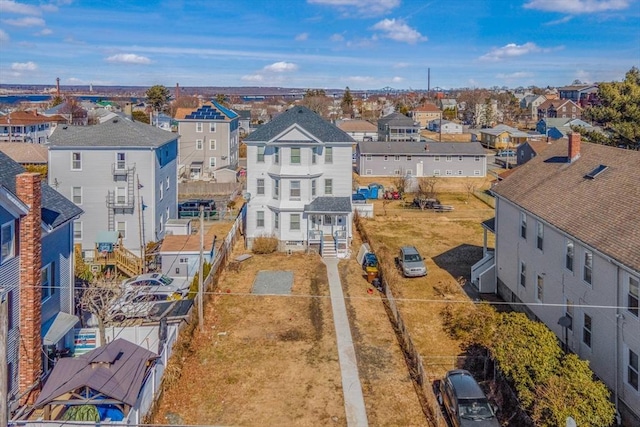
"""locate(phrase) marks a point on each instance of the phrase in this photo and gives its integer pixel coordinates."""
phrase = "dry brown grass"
(272, 360)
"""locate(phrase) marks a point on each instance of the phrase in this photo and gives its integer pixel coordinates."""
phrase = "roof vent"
(115, 120)
(65, 127)
(597, 171)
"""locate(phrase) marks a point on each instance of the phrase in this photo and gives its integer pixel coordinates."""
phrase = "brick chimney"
(574, 147)
(28, 189)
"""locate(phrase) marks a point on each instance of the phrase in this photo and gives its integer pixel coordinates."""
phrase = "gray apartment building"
(448, 159)
(209, 142)
(123, 174)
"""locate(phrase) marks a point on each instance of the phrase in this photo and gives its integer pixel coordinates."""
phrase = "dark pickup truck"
(191, 208)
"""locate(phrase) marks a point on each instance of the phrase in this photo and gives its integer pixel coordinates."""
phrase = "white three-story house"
(300, 184)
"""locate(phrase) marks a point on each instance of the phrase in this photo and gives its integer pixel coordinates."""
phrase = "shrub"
(264, 245)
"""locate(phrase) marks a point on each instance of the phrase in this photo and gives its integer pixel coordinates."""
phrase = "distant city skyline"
(362, 44)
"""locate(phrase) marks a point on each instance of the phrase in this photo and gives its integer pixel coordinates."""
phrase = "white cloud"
(129, 58)
(364, 8)
(512, 50)
(252, 78)
(44, 32)
(336, 37)
(397, 79)
(583, 76)
(281, 67)
(4, 37)
(576, 7)
(10, 6)
(24, 66)
(25, 22)
(398, 30)
(515, 75)
(563, 20)
(302, 37)
(401, 65)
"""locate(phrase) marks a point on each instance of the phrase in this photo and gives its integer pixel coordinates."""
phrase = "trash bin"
(372, 274)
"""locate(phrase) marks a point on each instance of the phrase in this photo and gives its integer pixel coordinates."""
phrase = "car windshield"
(166, 280)
(412, 258)
(475, 409)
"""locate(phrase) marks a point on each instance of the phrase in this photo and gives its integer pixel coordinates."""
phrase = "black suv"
(191, 208)
(465, 402)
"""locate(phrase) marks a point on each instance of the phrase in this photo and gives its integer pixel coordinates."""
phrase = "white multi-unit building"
(299, 181)
(568, 253)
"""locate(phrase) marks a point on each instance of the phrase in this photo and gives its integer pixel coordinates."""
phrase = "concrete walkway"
(351, 387)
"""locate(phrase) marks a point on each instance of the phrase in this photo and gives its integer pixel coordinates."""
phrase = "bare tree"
(470, 185)
(317, 101)
(426, 190)
(400, 183)
(99, 298)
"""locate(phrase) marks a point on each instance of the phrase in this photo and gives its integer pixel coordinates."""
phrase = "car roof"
(147, 276)
(409, 249)
(465, 385)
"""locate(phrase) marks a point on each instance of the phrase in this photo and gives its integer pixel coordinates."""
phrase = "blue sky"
(363, 44)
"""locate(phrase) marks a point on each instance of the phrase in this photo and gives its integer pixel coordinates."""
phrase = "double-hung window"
(588, 266)
(76, 195)
(539, 288)
(212, 144)
(632, 296)
(121, 161)
(586, 330)
(276, 220)
(294, 190)
(523, 225)
(212, 127)
(295, 155)
(314, 155)
(260, 187)
(276, 155)
(539, 234)
(276, 189)
(46, 281)
(198, 126)
(633, 369)
(76, 161)
(8, 241)
(294, 222)
(523, 274)
(260, 158)
(314, 184)
(328, 186)
(198, 144)
(569, 254)
(328, 155)
(260, 219)
(77, 230)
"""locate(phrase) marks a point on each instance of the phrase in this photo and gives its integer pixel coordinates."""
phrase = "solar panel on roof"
(597, 171)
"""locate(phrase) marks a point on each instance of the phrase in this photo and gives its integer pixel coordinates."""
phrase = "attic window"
(597, 171)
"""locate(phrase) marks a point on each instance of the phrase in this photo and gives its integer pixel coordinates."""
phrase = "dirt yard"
(272, 360)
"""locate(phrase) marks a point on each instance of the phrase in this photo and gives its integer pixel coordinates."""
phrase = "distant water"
(15, 99)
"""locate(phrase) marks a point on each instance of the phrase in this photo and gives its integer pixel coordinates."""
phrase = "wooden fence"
(204, 189)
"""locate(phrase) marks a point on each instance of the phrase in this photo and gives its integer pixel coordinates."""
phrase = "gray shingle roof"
(417, 148)
(306, 119)
(117, 132)
(56, 209)
(397, 119)
(604, 212)
(329, 204)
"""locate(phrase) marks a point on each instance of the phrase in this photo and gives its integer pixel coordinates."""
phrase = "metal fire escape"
(121, 203)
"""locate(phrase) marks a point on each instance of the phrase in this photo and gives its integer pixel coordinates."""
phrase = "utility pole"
(200, 278)
(4, 325)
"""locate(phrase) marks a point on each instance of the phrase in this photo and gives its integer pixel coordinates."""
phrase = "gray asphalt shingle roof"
(421, 148)
(604, 212)
(117, 132)
(329, 204)
(56, 209)
(397, 119)
(306, 119)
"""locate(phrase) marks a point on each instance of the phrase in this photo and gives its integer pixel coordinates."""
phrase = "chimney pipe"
(574, 147)
(28, 189)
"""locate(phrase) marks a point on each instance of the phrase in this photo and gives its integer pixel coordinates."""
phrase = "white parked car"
(141, 303)
(154, 282)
